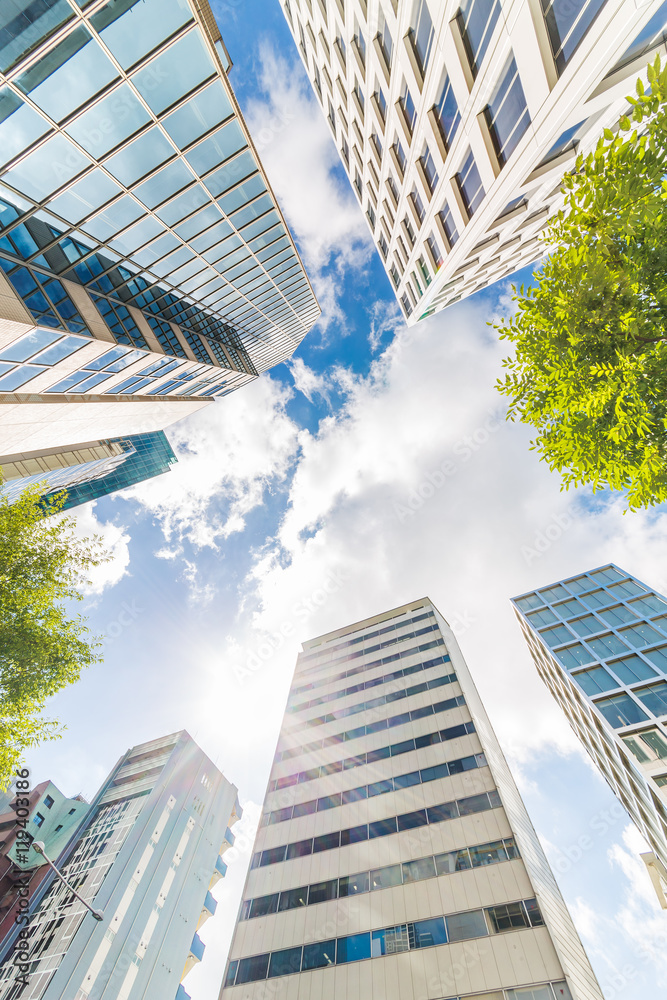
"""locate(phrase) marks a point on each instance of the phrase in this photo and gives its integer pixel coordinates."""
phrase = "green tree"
(590, 365)
(43, 565)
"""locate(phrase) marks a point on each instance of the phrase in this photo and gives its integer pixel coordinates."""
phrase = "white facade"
(456, 120)
(395, 857)
(599, 642)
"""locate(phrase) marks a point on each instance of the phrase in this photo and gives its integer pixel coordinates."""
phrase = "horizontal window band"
(372, 727)
(481, 802)
(354, 642)
(462, 926)
(371, 756)
(419, 777)
(431, 866)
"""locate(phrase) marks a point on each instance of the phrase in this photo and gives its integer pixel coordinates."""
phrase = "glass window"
(543, 617)
(47, 168)
(217, 147)
(352, 885)
(553, 594)
(654, 697)
(629, 588)
(621, 710)
(639, 752)
(413, 871)
(507, 112)
(556, 636)
(586, 626)
(656, 741)
(452, 861)
(165, 183)
(298, 850)
(250, 970)
(595, 681)
(290, 899)
(389, 941)
(658, 657)
(507, 916)
(264, 904)
(172, 74)
(63, 349)
(574, 656)
(19, 377)
(641, 635)
(25, 347)
(411, 820)
(380, 787)
(462, 926)
(427, 933)
(529, 602)
(146, 152)
(132, 30)
(326, 842)
(422, 33)
(470, 184)
(382, 828)
(567, 23)
(539, 992)
(445, 811)
(607, 645)
(488, 854)
(384, 878)
(68, 75)
(408, 106)
(20, 125)
(570, 608)
(285, 962)
(650, 605)
(231, 173)
(319, 892)
(353, 948)
(597, 599)
(231, 973)
(318, 956)
(272, 855)
(385, 39)
(477, 19)
(618, 615)
(354, 835)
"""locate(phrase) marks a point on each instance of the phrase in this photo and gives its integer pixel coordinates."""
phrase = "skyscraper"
(456, 120)
(395, 857)
(599, 642)
(90, 471)
(146, 852)
(145, 264)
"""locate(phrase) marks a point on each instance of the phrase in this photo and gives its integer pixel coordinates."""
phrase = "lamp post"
(38, 846)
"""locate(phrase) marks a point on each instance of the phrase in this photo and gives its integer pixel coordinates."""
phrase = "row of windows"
(443, 770)
(373, 727)
(372, 756)
(379, 645)
(366, 685)
(578, 585)
(622, 710)
(380, 828)
(383, 699)
(354, 642)
(431, 866)
(387, 941)
(577, 656)
(646, 606)
(610, 644)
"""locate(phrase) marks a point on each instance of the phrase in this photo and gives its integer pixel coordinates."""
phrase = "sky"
(373, 468)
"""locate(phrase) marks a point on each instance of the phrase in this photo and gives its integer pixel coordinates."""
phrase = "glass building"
(456, 120)
(395, 857)
(89, 472)
(599, 642)
(142, 251)
(146, 853)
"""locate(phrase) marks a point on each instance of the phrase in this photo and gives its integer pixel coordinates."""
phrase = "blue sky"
(374, 468)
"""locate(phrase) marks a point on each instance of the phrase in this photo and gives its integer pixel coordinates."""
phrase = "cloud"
(116, 541)
(307, 381)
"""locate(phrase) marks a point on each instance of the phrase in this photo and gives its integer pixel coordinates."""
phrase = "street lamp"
(38, 846)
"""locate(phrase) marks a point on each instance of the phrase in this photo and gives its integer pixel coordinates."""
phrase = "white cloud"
(115, 539)
(307, 381)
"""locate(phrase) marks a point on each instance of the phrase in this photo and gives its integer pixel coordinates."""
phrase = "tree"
(590, 368)
(42, 648)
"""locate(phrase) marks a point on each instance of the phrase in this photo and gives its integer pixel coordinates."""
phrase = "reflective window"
(631, 669)
(451, 232)
(201, 113)
(595, 681)
(597, 599)
(174, 73)
(556, 636)
(292, 898)
(629, 588)
(652, 34)
(463, 926)
(654, 697)
(621, 710)
(109, 122)
(413, 871)
(477, 19)
(19, 376)
(133, 28)
(607, 645)
(408, 106)
(146, 152)
(574, 656)
(231, 173)
(49, 167)
(649, 606)
(447, 111)
(588, 625)
(422, 33)
(165, 183)
(353, 948)
(567, 23)
(386, 43)
(658, 657)
(252, 969)
(390, 941)
(318, 956)
(641, 635)
(24, 24)
(85, 196)
(28, 345)
(217, 148)
(427, 933)
(284, 963)
(20, 125)
(470, 184)
(530, 601)
(351, 885)
(618, 615)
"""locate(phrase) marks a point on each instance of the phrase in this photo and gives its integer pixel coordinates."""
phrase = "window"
(38, 819)
(567, 23)
(359, 94)
(321, 891)
(393, 271)
(400, 155)
(621, 710)
(290, 899)
(654, 697)
(409, 231)
(507, 113)
(462, 926)
(432, 244)
(360, 41)
(477, 19)
(300, 849)
(331, 116)
(418, 204)
(656, 741)
(448, 225)
(407, 305)
(556, 636)
(48, 801)
(428, 166)
(413, 871)
(340, 45)
(595, 681)
(641, 635)
(658, 657)
(353, 948)
(607, 645)
(427, 933)
(649, 606)
(597, 599)
(352, 885)
(507, 916)
(318, 80)
(470, 184)
(384, 38)
(285, 962)
(384, 249)
(381, 101)
(326, 842)
(619, 615)
(250, 970)
(408, 106)
(390, 941)
(588, 625)
(345, 149)
(447, 111)
(358, 182)
(421, 33)
(318, 956)
(58, 828)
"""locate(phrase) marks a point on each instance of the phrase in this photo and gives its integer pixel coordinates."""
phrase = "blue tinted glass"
(137, 236)
(24, 348)
(174, 73)
(237, 170)
(631, 669)
(185, 205)
(20, 125)
(120, 355)
(198, 115)
(47, 168)
(133, 29)
(478, 19)
(428, 933)
(19, 377)
(68, 75)
(655, 698)
(567, 23)
(25, 23)
(217, 148)
(243, 193)
(595, 681)
(85, 196)
(620, 710)
(111, 120)
(165, 183)
(507, 112)
(120, 214)
(353, 948)
(148, 151)
(448, 111)
(63, 349)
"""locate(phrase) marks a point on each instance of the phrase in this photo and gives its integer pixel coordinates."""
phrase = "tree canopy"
(590, 365)
(43, 567)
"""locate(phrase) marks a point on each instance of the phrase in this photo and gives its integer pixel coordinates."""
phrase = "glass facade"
(131, 198)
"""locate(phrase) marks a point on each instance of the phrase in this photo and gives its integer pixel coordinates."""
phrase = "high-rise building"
(89, 471)
(456, 120)
(395, 857)
(145, 265)
(599, 642)
(146, 853)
